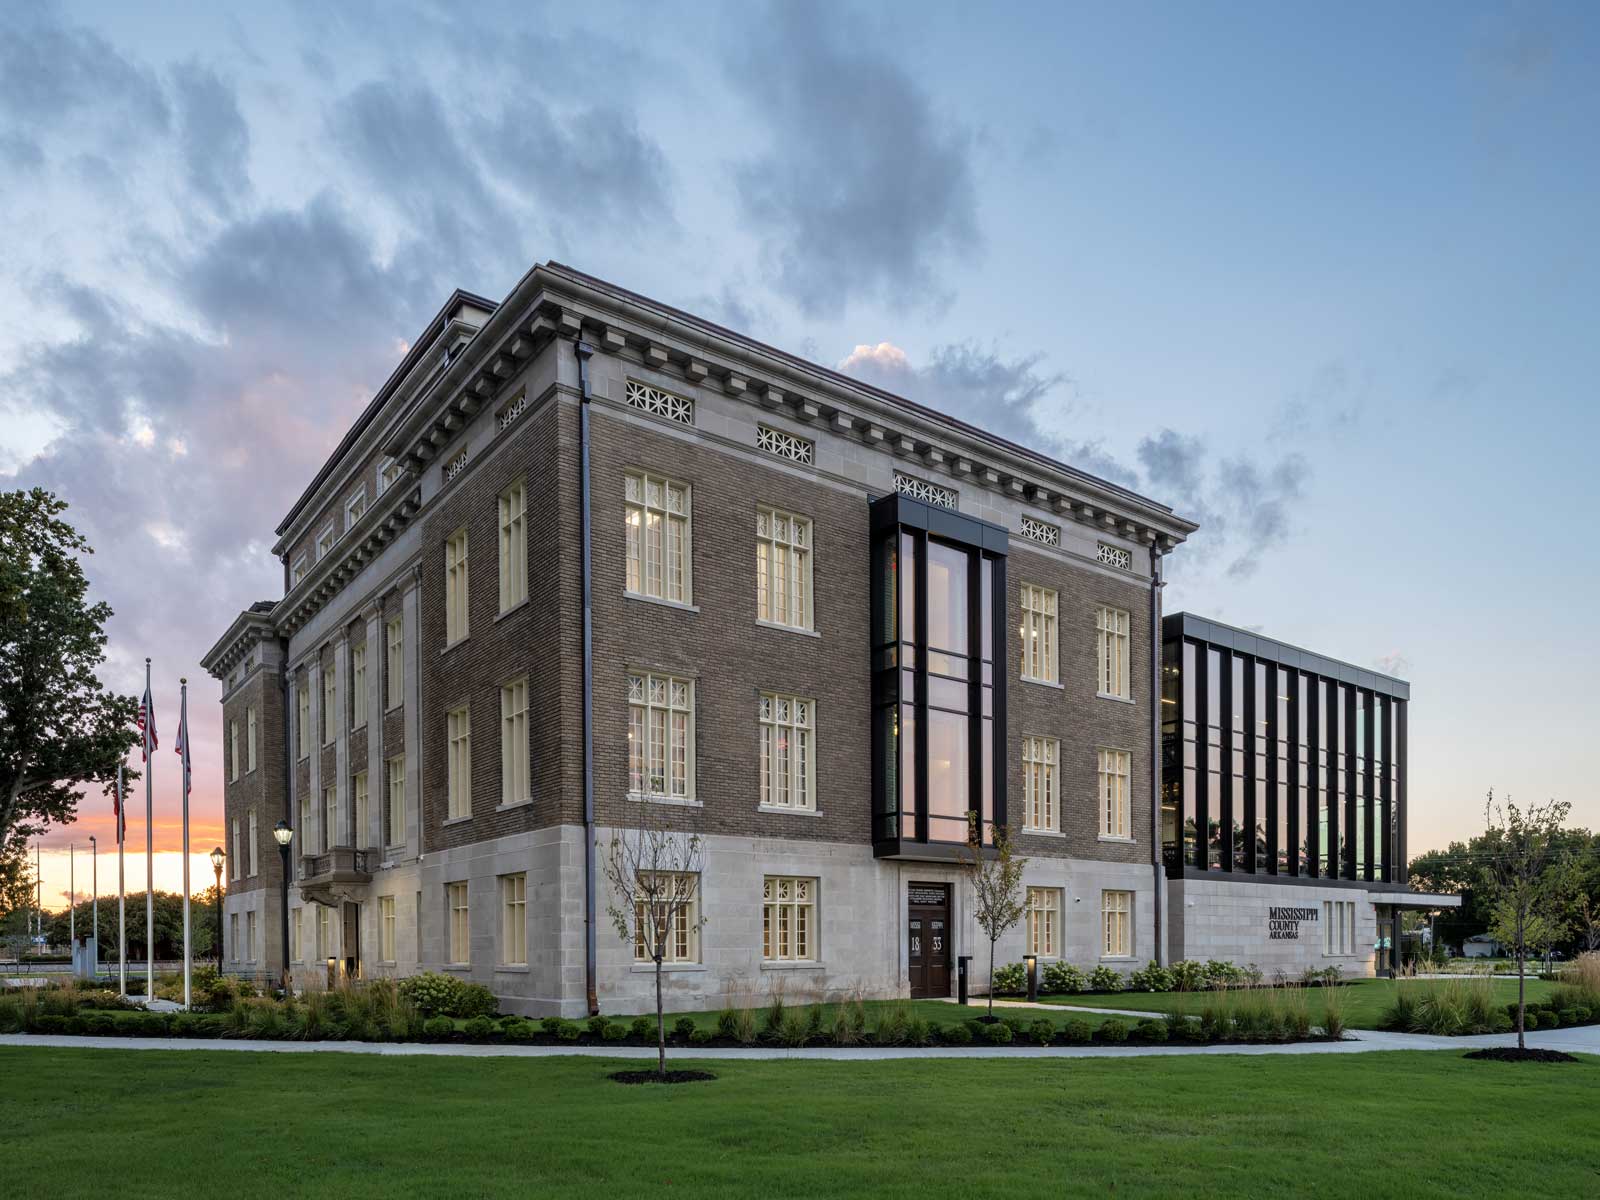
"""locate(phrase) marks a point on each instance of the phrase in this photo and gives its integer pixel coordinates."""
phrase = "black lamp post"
(217, 857)
(284, 836)
(1032, 963)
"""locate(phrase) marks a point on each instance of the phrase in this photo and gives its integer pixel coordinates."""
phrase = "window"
(787, 752)
(459, 761)
(250, 738)
(514, 920)
(235, 859)
(324, 932)
(662, 404)
(1038, 634)
(255, 843)
(358, 685)
(362, 802)
(296, 951)
(455, 897)
(783, 568)
(233, 934)
(386, 929)
(397, 667)
(1044, 922)
(330, 818)
(1116, 911)
(250, 936)
(233, 751)
(1039, 807)
(330, 705)
(1113, 773)
(921, 489)
(395, 826)
(681, 942)
(298, 571)
(388, 474)
(788, 919)
(353, 508)
(513, 548)
(514, 742)
(325, 541)
(1338, 927)
(455, 587)
(1112, 625)
(1041, 531)
(1114, 556)
(302, 729)
(660, 736)
(658, 544)
(304, 831)
(784, 445)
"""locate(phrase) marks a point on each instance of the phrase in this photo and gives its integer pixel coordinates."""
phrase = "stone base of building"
(1282, 928)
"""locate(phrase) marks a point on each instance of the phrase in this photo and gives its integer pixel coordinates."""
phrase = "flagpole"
(122, 915)
(183, 751)
(149, 855)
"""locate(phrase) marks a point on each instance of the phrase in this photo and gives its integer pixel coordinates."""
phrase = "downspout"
(285, 975)
(581, 351)
(1156, 584)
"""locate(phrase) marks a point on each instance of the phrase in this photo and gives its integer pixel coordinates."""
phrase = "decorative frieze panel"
(1041, 531)
(921, 489)
(1114, 556)
(785, 445)
(658, 403)
(455, 466)
(511, 412)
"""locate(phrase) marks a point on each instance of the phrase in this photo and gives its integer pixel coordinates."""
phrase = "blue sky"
(1324, 279)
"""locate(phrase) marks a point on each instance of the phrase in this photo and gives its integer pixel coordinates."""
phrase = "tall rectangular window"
(324, 932)
(302, 730)
(330, 706)
(397, 663)
(1039, 807)
(358, 685)
(250, 936)
(680, 939)
(783, 568)
(250, 738)
(661, 736)
(386, 929)
(362, 803)
(330, 818)
(455, 896)
(303, 834)
(233, 936)
(514, 742)
(255, 843)
(787, 753)
(1115, 819)
(1338, 927)
(1111, 626)
(514, 920)
(658, 545)
(1039, 634)
(325, 541)
(296, 951)
(788, 919)
(236, 859)
(513, 548)
(354, 508)
(233, 751)
(1116, 911)
(459, 761)
(1044, 922)
(455, 587)
(395, 822)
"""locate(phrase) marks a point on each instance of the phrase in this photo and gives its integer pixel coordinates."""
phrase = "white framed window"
(514, 920)
(330, 818)
(455, 587)
(1113, 772)
(330, 706)
(460, 924)
(324, 932)
(1338, 927)
(783, 568)
(394, 828)
(1116, 914)
(250, 936)
(513, 547)
(788, 752)
(236, 859)
(514, 742)
(662, 404)
(325, 541)
(250, 738)
(358, 685)
(233, 936)
(659, 538)
(362, 803)
(233, 751)
(1111, 625)
(396, 643)
(354, 508)
(459, 760)
(303, 833)
(1041, 809)
(296, 951)
(298, 571)
(681, 942)
(302, 728)
(1039, 634)
(661, 736)
(788, 919)
(386, 929)
(1044, 922)
(255, 843)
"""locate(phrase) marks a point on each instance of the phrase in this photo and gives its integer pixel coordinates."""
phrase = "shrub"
(849, 1022)
(793, 1028)
(518, 1030)
(727, 1022)
(1582, 1014)
(1179, 1027)
(77, 1027)
(773, 1016)
(1222, 974)
(684, 1027)
(105, 998)
(50, 1023)
(890, 1027)
(481, 1027)
(1187, 975)
(1009, 980)
(918, 1031)
(956, 1035)
(1042, 1032)
(1533, 1020)
(998, 1034)
(100, 1024)
(1113, 1031)
(597, 1025)
(1105, 979)
(1017, 1025)
(614, 1031)
(569, 1031)
(439, 1027)
(474, 1000)
(257, 1019)
(1333, 1012)
(744, 1026)
(1151, 978)
(643, 1028)
(552, 1025)
(1150, 1031)
(700, 1037)
(1077, 1032)
(432, 992)
(1059, 978)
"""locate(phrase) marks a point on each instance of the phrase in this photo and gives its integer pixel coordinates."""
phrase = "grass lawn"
(1366, 1000)
(165, 1123)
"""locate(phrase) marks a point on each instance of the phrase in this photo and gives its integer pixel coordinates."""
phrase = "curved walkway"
(1580, 1040)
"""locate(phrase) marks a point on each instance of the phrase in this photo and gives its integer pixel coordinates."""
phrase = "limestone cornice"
(249, 629)
(378, 526)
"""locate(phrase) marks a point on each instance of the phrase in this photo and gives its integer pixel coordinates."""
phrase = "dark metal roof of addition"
(1204, 629)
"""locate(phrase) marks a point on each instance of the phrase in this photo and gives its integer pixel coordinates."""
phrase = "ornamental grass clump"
(1334, 1005)
(794, 1028)
(850, 1021)
(891, 1026)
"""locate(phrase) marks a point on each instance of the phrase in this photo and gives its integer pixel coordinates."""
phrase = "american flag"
(147, 723)
(181, 746)
(116, 807)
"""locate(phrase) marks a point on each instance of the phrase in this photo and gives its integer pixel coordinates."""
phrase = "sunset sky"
(1325, 280)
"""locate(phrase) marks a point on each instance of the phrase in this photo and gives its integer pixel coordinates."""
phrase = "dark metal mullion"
(998, 672)
(1292, 738)
(1202, 746)
(1275, 835)
(1252, 815)
(1225, 733)
(1386, 794)
(920, 641)
(1402, 867)
(1369, 804)
(975, 687)
(1315, 777)
(1347, 855)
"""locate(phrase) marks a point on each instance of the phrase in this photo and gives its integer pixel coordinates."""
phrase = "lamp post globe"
(217, 859)
(284, 834)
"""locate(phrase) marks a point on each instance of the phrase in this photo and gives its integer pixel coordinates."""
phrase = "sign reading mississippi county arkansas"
(1283, 924)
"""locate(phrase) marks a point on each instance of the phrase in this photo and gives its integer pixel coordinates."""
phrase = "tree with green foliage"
(995, 875)
(60, 730)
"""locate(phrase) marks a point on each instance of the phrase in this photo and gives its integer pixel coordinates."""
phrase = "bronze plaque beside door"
(928, 939)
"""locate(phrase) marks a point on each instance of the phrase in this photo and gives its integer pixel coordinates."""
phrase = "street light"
(94, 856)
(284, 835)
(217, 857)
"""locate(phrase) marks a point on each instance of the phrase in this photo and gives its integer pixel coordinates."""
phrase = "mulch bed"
(655, 1076)
(1512, 1054)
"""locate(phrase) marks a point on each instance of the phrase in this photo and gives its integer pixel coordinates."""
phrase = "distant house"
(1480, 945)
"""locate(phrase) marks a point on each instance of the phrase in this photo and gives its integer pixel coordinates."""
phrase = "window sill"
(667, 968)
(456, 820)
(358, 728)
(1032, 832)
(1118, 699)
(794, 966)
(1043, 682)
(661, 600)
(1118, 957)
(457, 966)
(510, 804)
(386, 962)
(511, 969)
(513, 610)
(460, 641)
(788, 812)
(1115, 837)
(675, 801)
(393, 708)
(782, 628)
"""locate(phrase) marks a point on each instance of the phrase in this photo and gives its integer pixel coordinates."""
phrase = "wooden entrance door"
(928, 939)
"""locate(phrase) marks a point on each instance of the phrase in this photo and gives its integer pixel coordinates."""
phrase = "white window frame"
(658, 519)
(330, 816)
(250, 738)
(458, 923)
(789, 919)
(296, 946)
(394, 828)
(1114, 645)
(297, 571)
(250, 935)
(355, 508)
(514, 786)
(513, 504)
(456, 555)
(1116, 923)
(1114, 774)
(358, 685)
(233, 935)
(361, 804)
(388, 474)
(233, 751)
(236, 859)
(514, 920)
(1044, 922)
(303, 719)
(684, 946)
(395, 656)
(788, 726)
(458, 759)
(330, 706)
(255, 843)
(324, 932)
(784, 549)
(1338, 928)
(1041, 784)
(1041, 641)
(668, 739)
(387, 929)
(325, 541)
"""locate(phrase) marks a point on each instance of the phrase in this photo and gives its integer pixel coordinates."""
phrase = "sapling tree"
(654, 873)
(1526, 880)
(995, 875)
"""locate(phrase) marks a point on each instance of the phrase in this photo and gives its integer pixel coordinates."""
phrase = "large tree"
(60, 730)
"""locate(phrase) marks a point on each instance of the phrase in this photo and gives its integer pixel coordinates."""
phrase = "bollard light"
(1031, 961)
